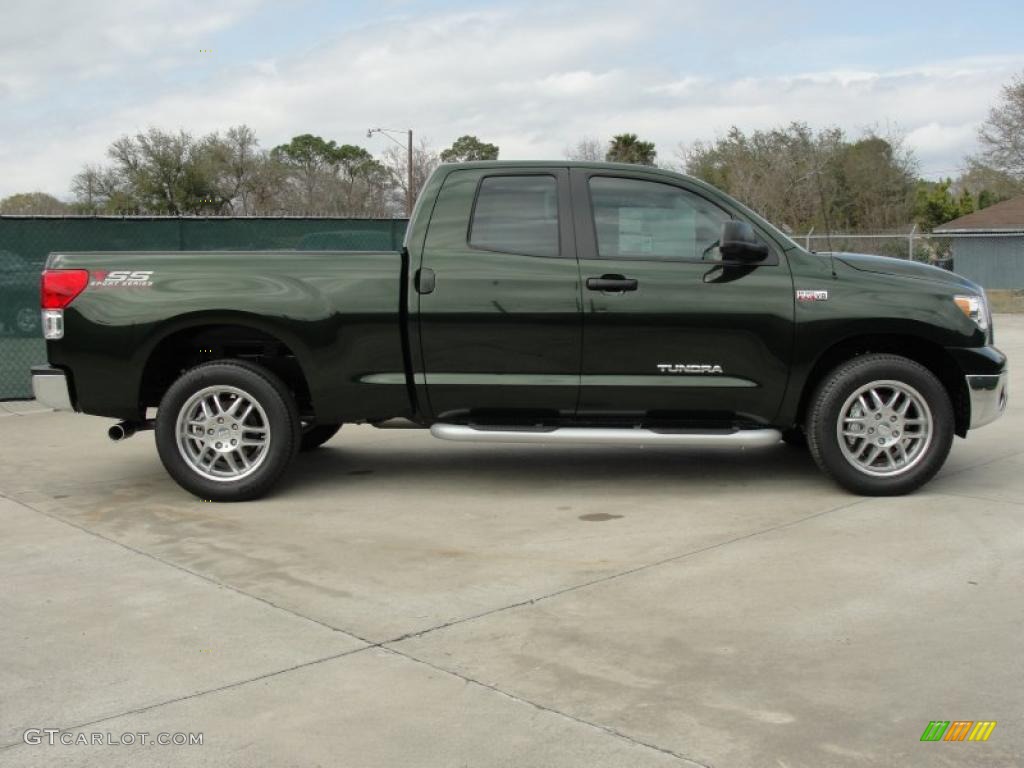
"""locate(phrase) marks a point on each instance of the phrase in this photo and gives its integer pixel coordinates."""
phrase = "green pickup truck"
(545, 302)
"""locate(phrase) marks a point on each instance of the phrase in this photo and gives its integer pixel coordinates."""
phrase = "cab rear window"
(516, 214)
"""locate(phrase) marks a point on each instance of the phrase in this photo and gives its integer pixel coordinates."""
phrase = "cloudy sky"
(533, 77)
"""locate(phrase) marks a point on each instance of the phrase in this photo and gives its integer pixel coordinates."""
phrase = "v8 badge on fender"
(806, 295)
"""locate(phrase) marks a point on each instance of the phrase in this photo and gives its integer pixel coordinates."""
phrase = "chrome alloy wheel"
(884, 428)
(223, 433)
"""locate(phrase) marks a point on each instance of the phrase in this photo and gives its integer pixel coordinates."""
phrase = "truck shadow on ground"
(514, 469)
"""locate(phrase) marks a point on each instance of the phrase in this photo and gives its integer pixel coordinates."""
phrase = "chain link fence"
(916, 246)
(993, 259)
(25, 242)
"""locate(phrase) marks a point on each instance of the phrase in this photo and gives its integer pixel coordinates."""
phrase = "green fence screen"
(25, 242)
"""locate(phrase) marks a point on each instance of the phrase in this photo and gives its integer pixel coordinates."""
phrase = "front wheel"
(880, 425)
(226, 430)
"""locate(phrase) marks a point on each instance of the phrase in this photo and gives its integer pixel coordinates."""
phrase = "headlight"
(976, 308)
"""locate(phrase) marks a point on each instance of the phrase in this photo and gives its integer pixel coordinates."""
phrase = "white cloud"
(533, 81)
(50, 44)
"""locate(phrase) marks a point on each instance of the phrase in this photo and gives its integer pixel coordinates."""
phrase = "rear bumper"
(988, 394)
(50, 387)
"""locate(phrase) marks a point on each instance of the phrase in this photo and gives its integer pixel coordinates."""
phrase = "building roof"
(1007, 216)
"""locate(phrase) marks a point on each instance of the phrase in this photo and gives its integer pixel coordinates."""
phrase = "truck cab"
(597, 295)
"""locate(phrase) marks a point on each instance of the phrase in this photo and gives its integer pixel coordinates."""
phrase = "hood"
(887, 265)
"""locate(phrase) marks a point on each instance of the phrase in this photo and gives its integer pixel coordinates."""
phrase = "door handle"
(425, 280)
(616, 283)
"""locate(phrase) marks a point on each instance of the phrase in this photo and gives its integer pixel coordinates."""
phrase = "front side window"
(637, 219)
(516, 214)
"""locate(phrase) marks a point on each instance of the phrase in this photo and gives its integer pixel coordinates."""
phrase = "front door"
(671, 334)
(499, 308)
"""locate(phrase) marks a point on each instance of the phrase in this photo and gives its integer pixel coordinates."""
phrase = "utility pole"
(409, 199)
(410, 193)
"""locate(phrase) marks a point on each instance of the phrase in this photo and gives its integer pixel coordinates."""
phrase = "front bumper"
(988, 397)
(50, 387)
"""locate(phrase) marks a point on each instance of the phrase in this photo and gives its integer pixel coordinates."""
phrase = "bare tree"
(268, 186)
(165, 172)
(589, 148)
(233, 162)
(1002, 134)
(987, 184)
(801, 178)
(98, 189)
(396, 159)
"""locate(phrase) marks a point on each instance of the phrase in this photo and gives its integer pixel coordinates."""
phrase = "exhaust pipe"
(125, 429)
(121, 431)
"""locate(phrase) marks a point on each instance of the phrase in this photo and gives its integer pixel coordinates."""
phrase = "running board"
(740, 438)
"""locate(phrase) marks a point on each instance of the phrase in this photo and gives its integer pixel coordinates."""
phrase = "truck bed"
(338, 312)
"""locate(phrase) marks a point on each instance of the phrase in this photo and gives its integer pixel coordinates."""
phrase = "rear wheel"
(880, 425)
(317, 435)
(227, 430)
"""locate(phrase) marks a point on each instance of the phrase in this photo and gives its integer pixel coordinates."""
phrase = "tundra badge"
(698, 368)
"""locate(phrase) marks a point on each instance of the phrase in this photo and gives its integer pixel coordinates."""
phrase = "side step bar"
(740, 438)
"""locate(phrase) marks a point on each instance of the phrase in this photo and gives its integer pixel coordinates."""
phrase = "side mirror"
(739, 243)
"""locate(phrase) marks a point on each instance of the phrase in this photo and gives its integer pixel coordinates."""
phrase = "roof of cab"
(600, 165)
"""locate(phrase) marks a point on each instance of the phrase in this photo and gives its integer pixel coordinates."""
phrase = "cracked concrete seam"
(197, 694)
(384, 644)
(183, 569)
(627, 572)
(508, 694)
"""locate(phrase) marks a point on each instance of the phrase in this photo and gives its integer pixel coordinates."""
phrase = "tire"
(265, 425)
(317, 435)
(911, 446)
(795, 438)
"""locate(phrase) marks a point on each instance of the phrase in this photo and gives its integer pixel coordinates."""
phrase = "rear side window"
(516, 214)
(637, 219)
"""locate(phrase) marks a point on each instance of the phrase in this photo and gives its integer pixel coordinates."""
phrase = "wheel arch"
(923, 351)
(190, 341)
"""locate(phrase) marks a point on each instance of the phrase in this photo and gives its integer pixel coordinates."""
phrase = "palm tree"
(627, 148)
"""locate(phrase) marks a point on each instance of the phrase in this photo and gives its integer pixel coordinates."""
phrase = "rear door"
(670, 333)
(499, 306)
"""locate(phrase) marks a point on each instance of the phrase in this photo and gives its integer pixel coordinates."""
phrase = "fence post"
(910, 239)
(807, 239)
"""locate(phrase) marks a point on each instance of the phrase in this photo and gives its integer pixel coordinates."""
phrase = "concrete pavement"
(404, 601)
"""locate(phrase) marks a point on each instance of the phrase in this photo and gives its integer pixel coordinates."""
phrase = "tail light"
(61, 286)
(58, 289)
